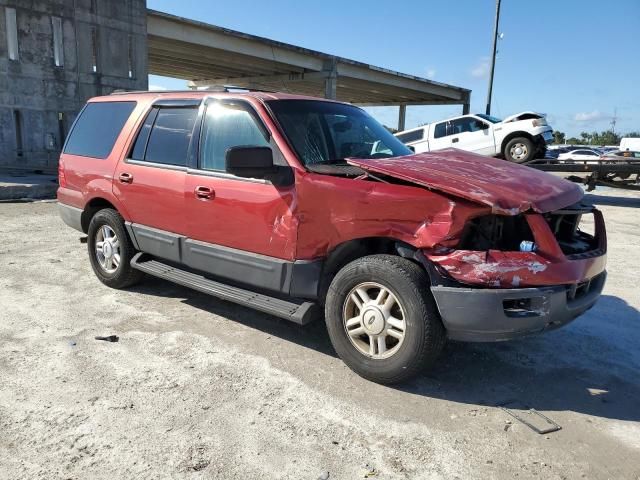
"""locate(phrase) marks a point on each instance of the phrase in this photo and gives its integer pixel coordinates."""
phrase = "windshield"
(489, 118)
(327, 132)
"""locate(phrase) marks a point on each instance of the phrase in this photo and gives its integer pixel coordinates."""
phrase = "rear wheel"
(382, 320)
(519, 150)
(111, 250)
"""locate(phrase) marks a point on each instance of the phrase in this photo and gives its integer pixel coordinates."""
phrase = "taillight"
(62, 180)
(539, 122)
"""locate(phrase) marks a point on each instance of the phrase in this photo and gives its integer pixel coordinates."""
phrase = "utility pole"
(493, 57)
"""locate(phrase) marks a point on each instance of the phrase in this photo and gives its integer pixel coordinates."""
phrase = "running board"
(298, 312)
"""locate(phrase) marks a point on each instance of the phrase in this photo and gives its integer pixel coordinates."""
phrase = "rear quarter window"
(412, 136)
(97, 128)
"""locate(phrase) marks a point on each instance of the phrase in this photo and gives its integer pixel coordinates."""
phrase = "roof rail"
(213, 88)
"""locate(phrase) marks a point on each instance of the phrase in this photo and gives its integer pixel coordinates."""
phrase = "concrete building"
(54, 54)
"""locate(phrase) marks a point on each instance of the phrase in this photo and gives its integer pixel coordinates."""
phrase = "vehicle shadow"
(590, 366)
(613, 201)
(313, 335)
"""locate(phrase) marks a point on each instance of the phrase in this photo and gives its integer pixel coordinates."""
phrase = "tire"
(519, 150)
(112, 274)
(395, 360)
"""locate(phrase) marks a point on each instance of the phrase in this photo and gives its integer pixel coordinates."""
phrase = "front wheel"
(382, 319)
(519, 150)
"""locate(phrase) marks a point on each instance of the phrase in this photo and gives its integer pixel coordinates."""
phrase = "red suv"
(289, 204)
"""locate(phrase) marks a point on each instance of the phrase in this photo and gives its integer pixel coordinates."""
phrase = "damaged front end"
(525, 264)
(511, 276)
(527, 250)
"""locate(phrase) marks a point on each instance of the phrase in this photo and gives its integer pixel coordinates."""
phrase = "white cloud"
(155, 88)
(589, 116)
(482, 68)
(431, 72)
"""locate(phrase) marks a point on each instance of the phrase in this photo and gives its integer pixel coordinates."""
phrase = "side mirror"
(250, 162)
(257, 162)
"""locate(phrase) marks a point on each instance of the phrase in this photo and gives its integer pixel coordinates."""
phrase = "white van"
(631, 144)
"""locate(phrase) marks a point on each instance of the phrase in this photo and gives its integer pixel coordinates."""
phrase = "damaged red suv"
(290, 205)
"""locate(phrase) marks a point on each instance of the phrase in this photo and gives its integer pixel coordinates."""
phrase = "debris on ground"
(109, 338)
(548, 425)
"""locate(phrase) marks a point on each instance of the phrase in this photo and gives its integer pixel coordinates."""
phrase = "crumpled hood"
(511, 118)
(506, 187)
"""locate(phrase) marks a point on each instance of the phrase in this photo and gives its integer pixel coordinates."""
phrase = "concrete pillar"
(331, 82)
(465, 109)
(402, 116)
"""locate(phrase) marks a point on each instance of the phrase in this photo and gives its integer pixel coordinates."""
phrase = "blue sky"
(575, 60)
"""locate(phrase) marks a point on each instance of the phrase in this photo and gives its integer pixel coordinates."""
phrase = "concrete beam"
(400, 81)
(181, 29)
(264, 79)
(396, 103)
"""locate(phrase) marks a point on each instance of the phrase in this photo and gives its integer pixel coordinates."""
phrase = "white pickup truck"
(518, 138)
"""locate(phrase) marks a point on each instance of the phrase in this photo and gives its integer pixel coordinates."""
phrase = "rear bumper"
(490, 315)
(72, 216)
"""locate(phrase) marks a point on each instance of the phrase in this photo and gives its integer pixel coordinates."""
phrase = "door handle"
(126, 178)
(455, 140)
(204, 193)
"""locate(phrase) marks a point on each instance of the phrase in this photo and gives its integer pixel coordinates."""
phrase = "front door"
(238, 228)
(150, 181)
(473, 135)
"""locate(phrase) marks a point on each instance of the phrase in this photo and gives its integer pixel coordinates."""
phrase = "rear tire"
(519, 150)
(111, 250)
(393, 335)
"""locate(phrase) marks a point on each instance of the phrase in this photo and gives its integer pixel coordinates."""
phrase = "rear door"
(238, 228)
(150, 181)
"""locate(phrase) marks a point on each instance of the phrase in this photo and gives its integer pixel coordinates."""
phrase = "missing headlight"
(496, 232)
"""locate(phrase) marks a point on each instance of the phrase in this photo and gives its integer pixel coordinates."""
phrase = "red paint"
(319, 212)
(508, 188)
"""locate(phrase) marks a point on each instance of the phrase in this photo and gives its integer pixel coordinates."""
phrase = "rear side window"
(96, 130)
(165, 136)
(440, 130)
(227, 125)
(413, 136)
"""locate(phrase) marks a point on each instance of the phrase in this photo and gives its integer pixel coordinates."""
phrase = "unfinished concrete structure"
(209, 55)
(54, 54)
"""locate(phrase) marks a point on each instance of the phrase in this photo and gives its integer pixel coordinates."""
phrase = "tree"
(558, 137)
(574, 141)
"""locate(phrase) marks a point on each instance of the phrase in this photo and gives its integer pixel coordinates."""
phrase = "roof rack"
(213, 88)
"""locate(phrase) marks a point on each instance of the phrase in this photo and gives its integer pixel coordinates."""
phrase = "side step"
(297, 312)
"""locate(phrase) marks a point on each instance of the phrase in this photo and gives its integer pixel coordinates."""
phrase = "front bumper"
(490, 315)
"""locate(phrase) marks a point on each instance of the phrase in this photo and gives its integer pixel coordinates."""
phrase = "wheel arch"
(92, 207)
(351, 250)
(511, 136)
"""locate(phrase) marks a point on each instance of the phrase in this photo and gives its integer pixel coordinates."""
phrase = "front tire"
(111, 250)
(519, 150)
(382, 319)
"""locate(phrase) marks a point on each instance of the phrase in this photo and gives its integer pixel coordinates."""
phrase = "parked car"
(293, 205)
(518, 138)
(588, 155)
